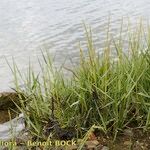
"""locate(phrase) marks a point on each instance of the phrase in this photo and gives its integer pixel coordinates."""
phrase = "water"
(27, 26)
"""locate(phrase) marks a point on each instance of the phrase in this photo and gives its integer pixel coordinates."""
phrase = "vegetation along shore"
(106, 99)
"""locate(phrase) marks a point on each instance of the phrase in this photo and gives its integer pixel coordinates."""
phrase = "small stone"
(128, 132)
(141, 144)
(92, 144)
(128, 143)
(137, 142)
(95, 142)
(24, 136)
(99, 146)
(105, 148)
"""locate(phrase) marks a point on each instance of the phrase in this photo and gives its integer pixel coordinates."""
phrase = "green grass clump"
(111, 93)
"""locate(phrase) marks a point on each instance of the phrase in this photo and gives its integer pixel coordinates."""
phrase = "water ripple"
(26, 27)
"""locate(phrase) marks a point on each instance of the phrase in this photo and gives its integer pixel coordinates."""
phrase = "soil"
(7, 100)
(5, 116)
(133, 139)
(130, 139)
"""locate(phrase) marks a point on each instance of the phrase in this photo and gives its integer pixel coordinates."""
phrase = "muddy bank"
(6, 115)
(129, 139)
(7, 100)
(11, 121)
(133, 139)
(8, 109)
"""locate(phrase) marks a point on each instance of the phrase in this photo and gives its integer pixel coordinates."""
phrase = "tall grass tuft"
(112, 93)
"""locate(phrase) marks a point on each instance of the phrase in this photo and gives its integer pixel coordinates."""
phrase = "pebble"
(128, 132)
(128, 143)
(105, 148)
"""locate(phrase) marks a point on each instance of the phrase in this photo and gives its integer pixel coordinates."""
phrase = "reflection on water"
(26, 27)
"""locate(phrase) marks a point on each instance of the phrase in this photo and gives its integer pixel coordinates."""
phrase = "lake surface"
(27, 26)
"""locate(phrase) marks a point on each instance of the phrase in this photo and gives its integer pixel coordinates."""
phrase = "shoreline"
(103, 98)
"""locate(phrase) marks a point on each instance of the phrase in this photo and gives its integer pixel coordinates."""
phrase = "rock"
(105, 148)
(23, 137)
(128, 143)
(128, 132)
(11, 129)
(91, 144)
